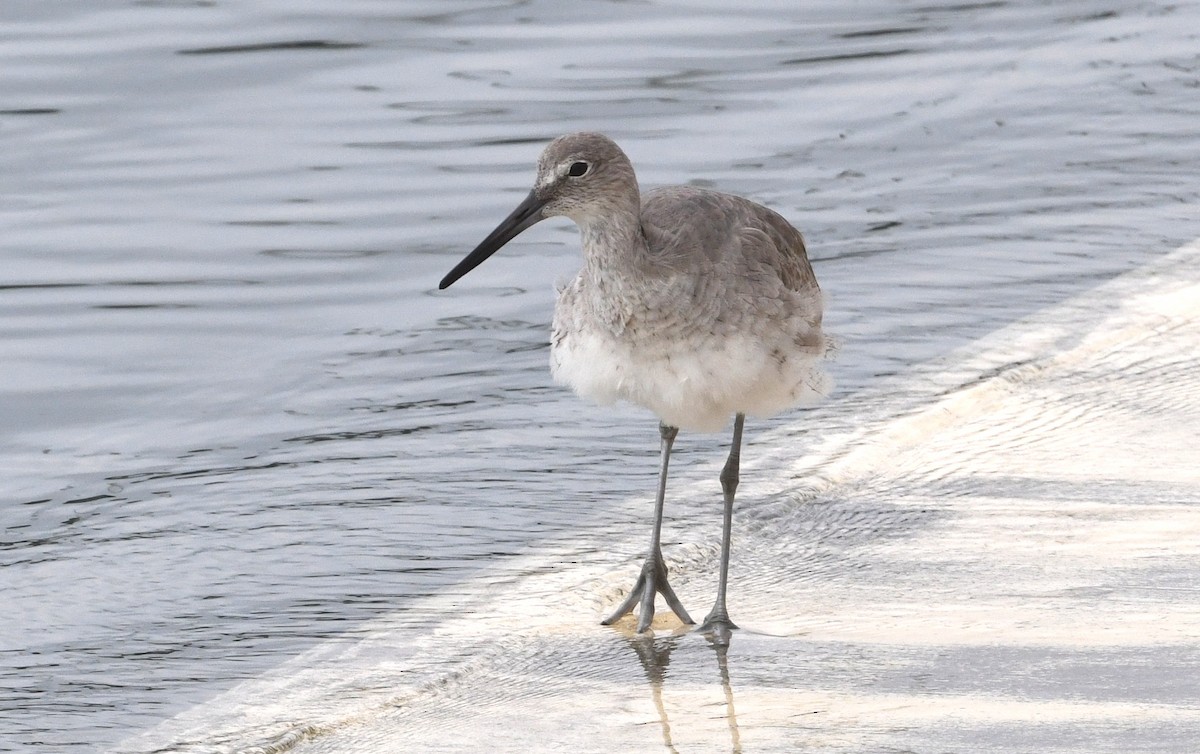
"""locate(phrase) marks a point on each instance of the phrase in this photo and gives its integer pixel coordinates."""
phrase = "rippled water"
(236, 417)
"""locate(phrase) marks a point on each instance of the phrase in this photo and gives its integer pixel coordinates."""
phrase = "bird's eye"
(577, 169)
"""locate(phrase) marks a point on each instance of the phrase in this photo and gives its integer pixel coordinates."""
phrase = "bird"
(698, 305)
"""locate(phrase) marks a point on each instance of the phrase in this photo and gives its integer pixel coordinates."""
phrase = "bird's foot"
(718, 625)
(650, 582)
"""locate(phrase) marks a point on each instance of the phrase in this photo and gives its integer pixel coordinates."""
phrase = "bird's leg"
(653, 578)
(718, 617)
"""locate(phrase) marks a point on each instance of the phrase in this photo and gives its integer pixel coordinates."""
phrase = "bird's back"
(734, 238)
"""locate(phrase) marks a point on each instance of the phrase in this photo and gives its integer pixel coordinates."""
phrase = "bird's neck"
(614, 246)
(616, 268)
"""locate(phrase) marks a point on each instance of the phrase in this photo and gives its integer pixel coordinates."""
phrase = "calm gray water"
(236, 417)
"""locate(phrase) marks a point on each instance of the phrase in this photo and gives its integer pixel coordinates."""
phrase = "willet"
(697, 305)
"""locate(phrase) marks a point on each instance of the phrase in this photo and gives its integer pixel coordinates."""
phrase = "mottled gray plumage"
(698, 305)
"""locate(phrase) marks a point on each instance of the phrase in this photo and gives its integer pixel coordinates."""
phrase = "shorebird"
(697, 305)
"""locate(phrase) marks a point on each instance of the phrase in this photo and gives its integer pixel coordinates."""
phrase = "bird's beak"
(525, 215)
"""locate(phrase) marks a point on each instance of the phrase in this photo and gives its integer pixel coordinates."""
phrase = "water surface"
(236, 417)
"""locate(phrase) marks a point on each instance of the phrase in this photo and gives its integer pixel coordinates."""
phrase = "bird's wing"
(774, 240)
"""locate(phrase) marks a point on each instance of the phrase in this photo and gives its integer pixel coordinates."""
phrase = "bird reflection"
(654, 654)
(718, 639)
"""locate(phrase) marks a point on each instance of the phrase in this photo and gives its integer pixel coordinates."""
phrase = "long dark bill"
(527, 213)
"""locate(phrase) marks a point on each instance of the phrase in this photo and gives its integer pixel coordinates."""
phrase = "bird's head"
(580, 176)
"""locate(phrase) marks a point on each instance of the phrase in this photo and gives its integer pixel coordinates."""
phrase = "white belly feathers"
(697, 388)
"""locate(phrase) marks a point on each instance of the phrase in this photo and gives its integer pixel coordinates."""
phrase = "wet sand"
(1011, 563)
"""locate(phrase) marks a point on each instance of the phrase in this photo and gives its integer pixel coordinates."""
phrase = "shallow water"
(236, 418)
(1010, 564)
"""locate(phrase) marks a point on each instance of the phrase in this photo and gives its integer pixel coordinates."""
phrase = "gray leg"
(718, 617)
(653, 578)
